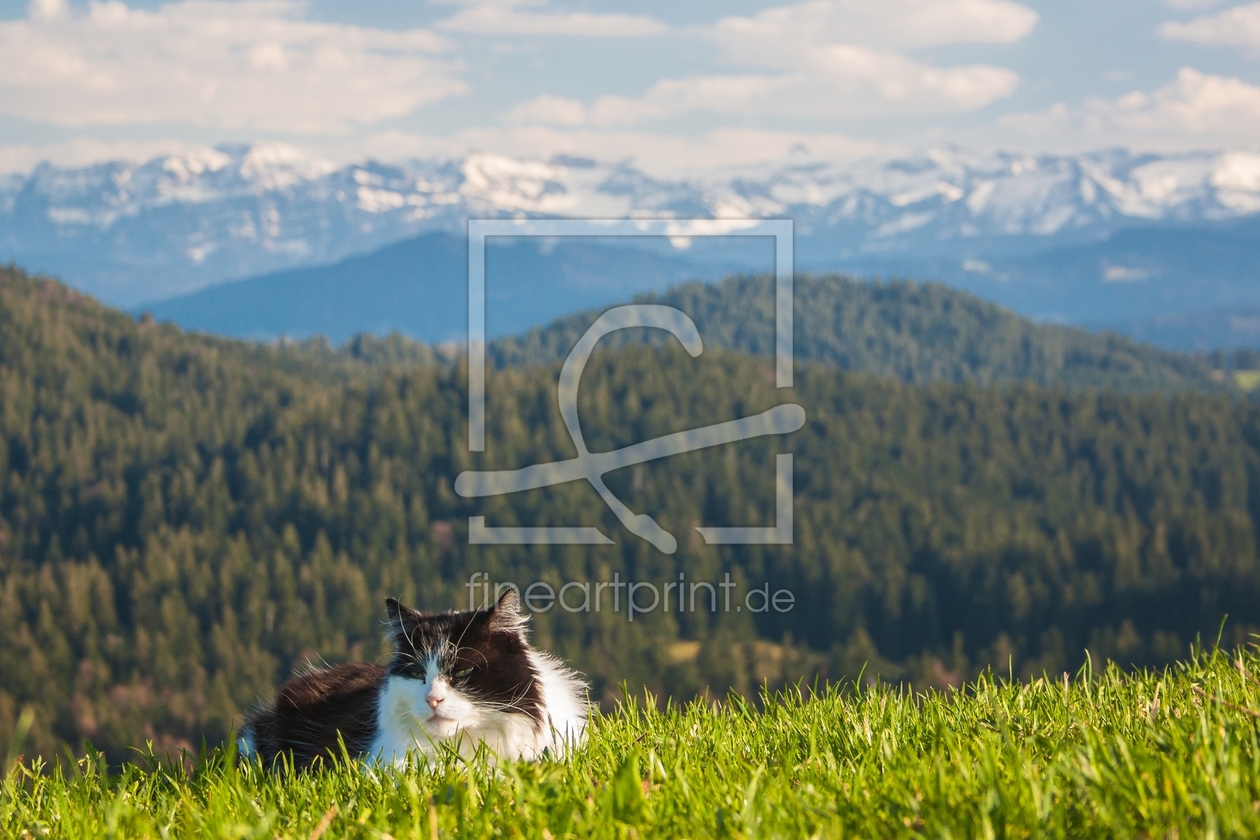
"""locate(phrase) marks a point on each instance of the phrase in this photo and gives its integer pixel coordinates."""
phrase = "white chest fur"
(408, 725)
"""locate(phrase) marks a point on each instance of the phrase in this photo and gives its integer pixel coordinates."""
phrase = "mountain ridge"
(913, 332)
(135, 232)
(916, 333)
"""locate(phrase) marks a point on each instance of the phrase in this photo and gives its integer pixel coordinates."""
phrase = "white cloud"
(1191, 5)
(257, 64)
(504, 17)
(836, 59)
(549, 110)
(1195, 111)
(659, 153)
(776, 35)
(844, 82)
(1236, 27)
(84, 151)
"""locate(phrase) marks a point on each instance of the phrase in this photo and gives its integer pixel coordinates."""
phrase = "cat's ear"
(402, 621)
(507, 615)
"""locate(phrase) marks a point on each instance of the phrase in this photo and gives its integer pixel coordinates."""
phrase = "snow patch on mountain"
(132, 232)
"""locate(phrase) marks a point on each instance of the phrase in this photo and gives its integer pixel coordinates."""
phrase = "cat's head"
(462, 671)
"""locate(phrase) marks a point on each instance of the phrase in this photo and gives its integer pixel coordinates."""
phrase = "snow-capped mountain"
(137, 232)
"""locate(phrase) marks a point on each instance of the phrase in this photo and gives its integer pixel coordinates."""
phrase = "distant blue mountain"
(1140, 274)
(419, 287)
(1230, 328)
(1137, 282)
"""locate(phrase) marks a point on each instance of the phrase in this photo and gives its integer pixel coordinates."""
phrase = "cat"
(457, 678)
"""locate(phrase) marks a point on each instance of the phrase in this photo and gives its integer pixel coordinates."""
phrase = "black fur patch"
(482, 653)
(312, 710)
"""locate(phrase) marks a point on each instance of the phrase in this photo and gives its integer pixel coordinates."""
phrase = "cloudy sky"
(676, 86)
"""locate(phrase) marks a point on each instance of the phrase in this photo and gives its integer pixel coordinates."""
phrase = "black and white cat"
(459, 678)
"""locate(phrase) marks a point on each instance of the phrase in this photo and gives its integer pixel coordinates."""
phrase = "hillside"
(185, 520)
(913, 332)
(1100, 755)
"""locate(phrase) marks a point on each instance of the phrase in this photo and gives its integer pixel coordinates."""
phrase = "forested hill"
(915, 332)
(184, 521)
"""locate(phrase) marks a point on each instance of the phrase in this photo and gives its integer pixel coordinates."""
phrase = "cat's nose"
(434, 702)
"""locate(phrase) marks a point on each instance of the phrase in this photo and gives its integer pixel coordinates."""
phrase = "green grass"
(1172, 754)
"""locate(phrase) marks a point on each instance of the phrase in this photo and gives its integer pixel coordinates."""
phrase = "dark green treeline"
(184, 521)
(915, 332)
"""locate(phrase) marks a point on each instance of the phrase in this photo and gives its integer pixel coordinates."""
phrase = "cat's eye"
(463, 672)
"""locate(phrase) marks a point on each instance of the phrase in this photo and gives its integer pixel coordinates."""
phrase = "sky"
(675, 87)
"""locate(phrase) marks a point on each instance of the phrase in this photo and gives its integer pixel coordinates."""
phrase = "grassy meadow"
(1100, 754)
